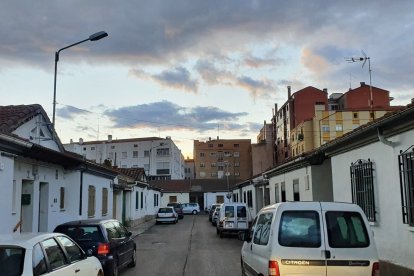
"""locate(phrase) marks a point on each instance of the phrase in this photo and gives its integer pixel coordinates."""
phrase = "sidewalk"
(141, 228)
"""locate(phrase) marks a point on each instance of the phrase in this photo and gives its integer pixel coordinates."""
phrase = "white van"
(310, 238)
(233, 218)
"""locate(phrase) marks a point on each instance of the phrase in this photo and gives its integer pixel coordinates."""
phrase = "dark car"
(178, 207)
(107, 239)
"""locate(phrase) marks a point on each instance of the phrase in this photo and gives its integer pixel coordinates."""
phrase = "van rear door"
(229, 217)
(301, 247)
(242, 222)
(350, 245)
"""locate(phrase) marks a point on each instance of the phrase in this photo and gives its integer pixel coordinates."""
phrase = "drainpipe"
(80, 191)
(384, 140)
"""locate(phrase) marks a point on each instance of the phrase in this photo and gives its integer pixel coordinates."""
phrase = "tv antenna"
(364, 59)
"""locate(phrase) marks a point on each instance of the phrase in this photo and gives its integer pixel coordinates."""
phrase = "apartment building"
(223, 158)
(347, 112)
(189, 169)
(160, 157)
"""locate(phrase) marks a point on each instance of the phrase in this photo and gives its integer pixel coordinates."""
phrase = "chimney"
(80, 141)
(289, 93)
(109, 138)
(217, 138)
(71, 141)
(209, 138)
(362, 83)
(325, 90)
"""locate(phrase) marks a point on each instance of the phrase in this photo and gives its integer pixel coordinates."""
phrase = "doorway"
(43, 206)
(26, 215)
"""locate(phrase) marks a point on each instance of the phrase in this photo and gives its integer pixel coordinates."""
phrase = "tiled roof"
(135, 173)
(13, 116)
(172, 185)
(193, 185)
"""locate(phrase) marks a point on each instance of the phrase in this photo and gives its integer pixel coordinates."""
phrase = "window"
(210, 145)
(283, 191)
(338, 128)
(74, 252)
(104, 201)
(135, 145)
(236, 154)
(237, 164)
(112, 147)
(244, 197)
(250, 198)
(84, 148)
(300, 229)
(220, 145)
(202, 154)
(146, 153)
(296, 194)
(227, 154)
(39, 261)
(91, 201)
(229, 211)
(14, 196)
(362, 185)
(136, 200)
(220, 199)
(135, 154)
(236, 173)
(163, 152)
(54, 253)
(346, 230)
(236, 145)
(277, 193)
(142, 200)
(202, 174)
(213, 153)
(163, 167)
(124, 155)
(262, 229)
(62, 198)
(173, 199)
(202, 165)
(325, 128)
(155, 200)
(406, 167)
(355, 115)
(92, 148)
(214, 174)
(213, 165)
(372, 115)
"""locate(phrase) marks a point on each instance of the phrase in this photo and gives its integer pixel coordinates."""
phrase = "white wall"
(211, 198)
(9, 216)
(394, 240)
(181, 197)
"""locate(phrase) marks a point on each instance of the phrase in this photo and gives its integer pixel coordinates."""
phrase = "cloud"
(173, 117)
(178, 78)
(71, 112)
(257, 62)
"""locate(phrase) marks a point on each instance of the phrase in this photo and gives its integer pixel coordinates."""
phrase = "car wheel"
(221, 234)
(194, 212)
(133, 262)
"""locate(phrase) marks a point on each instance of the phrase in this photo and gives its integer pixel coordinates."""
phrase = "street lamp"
(93, 37)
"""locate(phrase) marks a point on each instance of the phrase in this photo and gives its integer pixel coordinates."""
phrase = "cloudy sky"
(195, 69)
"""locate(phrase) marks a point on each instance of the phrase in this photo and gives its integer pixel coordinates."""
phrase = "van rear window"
(346, 230)
(300, 229)
(229, 211)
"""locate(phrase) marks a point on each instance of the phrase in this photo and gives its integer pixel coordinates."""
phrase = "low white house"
(42, 185)
(173, 191)
(373, 167)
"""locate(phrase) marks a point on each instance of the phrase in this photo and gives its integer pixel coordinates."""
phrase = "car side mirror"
(244, 236)
(89, 252)
(129, 234)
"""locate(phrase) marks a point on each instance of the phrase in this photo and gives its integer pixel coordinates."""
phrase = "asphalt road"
(190, 247)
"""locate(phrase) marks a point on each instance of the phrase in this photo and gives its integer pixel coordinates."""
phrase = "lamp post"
(226, 163)
(93, 37)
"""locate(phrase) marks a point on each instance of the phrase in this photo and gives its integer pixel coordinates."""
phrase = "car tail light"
(103, 249)
(375, 269)
(273, 268)
(221, 223)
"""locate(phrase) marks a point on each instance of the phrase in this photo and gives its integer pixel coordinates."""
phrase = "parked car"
(166, 214)
(211, 210)
(107, 239)
(215, 216)
(233, 218)
(45, 254)
(191, 208)
(178, 207)
(315, 238)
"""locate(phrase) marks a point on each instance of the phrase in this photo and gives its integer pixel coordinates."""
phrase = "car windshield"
(81, 233)
(11, 260)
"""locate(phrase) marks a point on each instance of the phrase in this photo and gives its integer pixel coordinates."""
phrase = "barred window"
(406, 167)
(362, 185)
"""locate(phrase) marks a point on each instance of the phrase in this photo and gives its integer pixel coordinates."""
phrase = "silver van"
(233, 218)
(310, 238)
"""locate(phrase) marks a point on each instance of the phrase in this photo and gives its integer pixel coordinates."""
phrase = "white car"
(166, 214)
(191, 208)
(45, 254)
